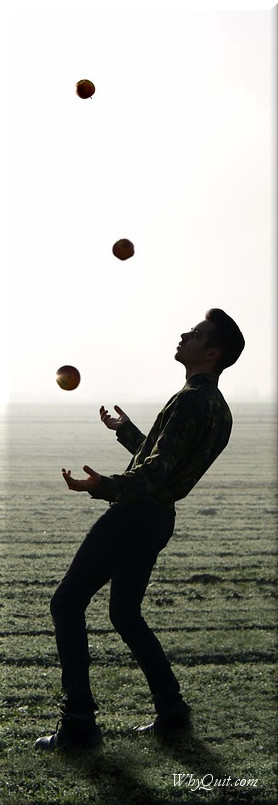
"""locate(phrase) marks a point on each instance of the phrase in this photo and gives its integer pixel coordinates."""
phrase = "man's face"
(192, 349)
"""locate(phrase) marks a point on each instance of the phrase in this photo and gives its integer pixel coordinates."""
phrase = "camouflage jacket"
(187, 436)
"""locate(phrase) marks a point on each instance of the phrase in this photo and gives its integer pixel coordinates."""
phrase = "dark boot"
(72, 732)
(167, 726)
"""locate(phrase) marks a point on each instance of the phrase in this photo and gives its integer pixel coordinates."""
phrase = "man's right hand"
(111, 422)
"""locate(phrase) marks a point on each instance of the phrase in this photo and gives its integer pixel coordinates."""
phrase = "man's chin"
(178, 356)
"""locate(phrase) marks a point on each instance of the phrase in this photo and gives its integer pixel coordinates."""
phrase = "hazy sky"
(175, 151)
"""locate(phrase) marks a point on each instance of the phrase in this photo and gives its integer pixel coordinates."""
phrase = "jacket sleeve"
(179, 435)
(130, 437)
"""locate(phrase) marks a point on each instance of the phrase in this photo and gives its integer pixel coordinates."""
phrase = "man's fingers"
(119, 410)
(94, 479)
(104, 413)
(110, 421)
(88, 470)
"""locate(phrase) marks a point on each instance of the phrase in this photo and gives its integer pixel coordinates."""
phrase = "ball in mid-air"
(85, 88)
(123, 249)
(68, 377)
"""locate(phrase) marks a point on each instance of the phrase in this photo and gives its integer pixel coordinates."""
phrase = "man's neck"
(198, 370)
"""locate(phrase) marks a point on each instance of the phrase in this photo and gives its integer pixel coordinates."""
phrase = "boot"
(72, 732)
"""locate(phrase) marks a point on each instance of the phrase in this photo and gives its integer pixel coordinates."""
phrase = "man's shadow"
(117, 772)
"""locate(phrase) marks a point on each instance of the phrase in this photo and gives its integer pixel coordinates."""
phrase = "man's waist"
(169, 505)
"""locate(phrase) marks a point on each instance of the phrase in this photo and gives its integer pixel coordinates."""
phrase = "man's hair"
(226, 336)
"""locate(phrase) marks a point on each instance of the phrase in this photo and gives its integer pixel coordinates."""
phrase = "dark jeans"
(121, 546)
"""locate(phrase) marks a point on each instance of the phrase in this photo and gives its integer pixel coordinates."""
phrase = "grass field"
(212, 601)
(218, 628)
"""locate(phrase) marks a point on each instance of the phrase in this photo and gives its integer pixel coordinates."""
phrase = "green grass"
(215, 613)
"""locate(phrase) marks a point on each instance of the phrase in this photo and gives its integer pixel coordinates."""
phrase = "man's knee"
(123, 620)
(58, 604)
(68, 602)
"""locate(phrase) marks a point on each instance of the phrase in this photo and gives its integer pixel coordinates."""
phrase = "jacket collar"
(197, 380)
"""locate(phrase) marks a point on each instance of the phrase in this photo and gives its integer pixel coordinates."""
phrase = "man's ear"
(213, 354)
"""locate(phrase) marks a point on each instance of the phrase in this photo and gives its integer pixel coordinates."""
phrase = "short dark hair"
(226, 336)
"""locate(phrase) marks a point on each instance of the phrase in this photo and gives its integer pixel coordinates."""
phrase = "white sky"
(175, 151)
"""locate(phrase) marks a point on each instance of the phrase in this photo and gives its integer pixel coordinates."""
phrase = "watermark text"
(209, 782)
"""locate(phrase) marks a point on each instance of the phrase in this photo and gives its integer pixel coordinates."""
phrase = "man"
(189, 433)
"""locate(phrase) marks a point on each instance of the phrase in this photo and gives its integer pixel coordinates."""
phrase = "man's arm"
(180, 437)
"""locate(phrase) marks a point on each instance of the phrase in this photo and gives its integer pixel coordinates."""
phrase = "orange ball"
(68, 378)
(123, 249)
(85, 88)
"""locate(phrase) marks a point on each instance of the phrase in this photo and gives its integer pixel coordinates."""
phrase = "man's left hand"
(82, 485)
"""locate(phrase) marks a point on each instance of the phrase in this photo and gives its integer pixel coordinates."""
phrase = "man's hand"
(84, 485)
(112, 422)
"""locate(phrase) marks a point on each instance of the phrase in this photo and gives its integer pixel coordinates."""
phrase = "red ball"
(85, 88)
(123, 249)
(68, 378)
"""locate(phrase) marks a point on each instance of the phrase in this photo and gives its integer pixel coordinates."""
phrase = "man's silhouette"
(187, 436)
